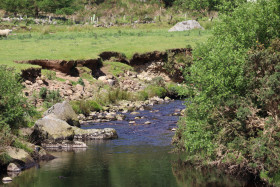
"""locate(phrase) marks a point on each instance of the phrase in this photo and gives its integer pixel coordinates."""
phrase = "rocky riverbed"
(119, 112)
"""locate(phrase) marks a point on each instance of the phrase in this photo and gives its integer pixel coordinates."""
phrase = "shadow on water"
(140, 157)
(188, 175)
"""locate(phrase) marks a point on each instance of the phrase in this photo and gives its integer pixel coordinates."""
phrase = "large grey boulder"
(186, 25)
(52, 132)
(53, 129)
(65, 112)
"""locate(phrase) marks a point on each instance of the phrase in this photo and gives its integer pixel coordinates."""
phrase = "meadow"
(86, 42)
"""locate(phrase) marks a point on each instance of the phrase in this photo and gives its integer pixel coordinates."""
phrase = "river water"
(139, 157)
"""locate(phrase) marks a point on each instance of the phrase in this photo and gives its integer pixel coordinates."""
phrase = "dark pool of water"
(139, 157)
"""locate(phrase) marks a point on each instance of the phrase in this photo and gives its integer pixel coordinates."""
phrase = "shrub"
(117, 94)
(231, 118)
(177, 90)
(153, 91)
(13, 106)
(158, 81)
(43, 92)
(5, 159)
(85, 106)
(52, 97)
(81, 82)
(6, 137)
(142, 95)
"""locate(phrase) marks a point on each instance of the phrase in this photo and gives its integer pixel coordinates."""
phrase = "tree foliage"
(232, 113)
(14, 109)
(34, 7)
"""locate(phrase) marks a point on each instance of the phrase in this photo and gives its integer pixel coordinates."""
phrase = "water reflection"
(188, 175)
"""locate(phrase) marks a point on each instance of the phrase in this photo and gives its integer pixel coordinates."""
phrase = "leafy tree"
(14, 6)
(219, 124)
(33, 7)
(57, 6)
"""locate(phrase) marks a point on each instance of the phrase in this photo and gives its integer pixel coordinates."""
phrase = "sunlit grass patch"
(59, 43)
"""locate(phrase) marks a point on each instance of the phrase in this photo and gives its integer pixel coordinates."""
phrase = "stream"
(139, 157)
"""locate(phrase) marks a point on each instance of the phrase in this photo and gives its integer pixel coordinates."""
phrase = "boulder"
(186, 25)
(111, 82)
(7, 179)
(20, 157)
(52, 132)
(65, 112)
(52, 128)
(26, 131)
(111, 116)
(102, 78)
(134, 113)
(40, 154)
(12, 167)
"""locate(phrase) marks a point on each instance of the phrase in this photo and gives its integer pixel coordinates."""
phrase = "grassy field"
(85, 42)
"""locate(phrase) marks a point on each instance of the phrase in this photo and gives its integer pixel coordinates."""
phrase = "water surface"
(139, 157)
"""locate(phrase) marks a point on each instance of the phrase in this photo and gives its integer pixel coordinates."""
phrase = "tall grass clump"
(85, 106)
(117, 94)
(231, 119)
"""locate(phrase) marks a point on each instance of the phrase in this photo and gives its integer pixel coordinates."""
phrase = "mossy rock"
(65, 112)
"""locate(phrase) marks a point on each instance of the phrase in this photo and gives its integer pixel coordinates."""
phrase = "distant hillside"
(114, 11)
(122, 11)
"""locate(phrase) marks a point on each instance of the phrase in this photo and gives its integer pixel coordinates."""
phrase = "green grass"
(85, 107)
(65, 42)
(116, 68)
(86, 74)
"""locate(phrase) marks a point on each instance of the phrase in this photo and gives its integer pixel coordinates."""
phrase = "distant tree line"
(68, 7)
(203, 4)
(34, 7)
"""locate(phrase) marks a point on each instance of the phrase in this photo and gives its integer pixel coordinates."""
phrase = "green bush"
(85, 106)
(81, 82)
(158, 81)
(5, 159)
(142, 95)
(177, 90)
(153, 91)
(6, 137)
(13, 106)
(231, 118)
(52, 97)
(43, 92)
(117, 94)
